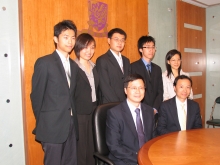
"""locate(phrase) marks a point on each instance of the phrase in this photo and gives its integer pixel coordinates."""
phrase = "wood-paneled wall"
(194, 40)
(37, 21)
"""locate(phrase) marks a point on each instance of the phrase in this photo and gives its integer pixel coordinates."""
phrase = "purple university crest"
(98, 12)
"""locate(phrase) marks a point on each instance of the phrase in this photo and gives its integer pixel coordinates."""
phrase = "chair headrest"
(217, 100)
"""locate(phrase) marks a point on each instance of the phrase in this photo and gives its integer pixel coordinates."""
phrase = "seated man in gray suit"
(179, 113)
(130, 124)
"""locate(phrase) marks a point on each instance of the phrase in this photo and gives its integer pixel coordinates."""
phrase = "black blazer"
(121, 133)
(168, 117)
(83, 92)
(154, 84)
(52, 99)
(111, 77)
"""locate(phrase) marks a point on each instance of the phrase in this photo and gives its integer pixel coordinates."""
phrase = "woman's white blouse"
(168, 91)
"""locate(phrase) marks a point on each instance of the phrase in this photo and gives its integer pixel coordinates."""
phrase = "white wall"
(162, 26)
(11, 121)
(213, 59)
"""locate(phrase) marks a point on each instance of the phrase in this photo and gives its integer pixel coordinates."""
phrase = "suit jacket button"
(69, 109)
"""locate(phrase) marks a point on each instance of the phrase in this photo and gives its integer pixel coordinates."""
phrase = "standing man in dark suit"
(53, 86)
(179, 113)
(151, 72)
(130, 124)
(113, 68)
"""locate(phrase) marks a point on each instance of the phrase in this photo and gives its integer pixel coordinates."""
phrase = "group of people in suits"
(66, 92)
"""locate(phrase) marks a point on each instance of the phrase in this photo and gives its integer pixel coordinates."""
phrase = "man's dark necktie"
(148, 70)
(140, 129)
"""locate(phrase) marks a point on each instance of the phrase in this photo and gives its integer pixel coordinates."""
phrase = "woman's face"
(175, 62)
(87, 52)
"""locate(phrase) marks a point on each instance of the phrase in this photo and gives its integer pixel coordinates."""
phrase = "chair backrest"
(99, 127)
(217, 101)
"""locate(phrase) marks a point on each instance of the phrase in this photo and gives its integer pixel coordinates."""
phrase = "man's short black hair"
(116, 30)
(144, 39)
(64, 25)
(131, 78)
(181, 77)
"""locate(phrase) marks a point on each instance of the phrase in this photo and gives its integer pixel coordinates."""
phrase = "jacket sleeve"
(159, 99)
(39, 82)
(162, 121)
(198, 120)
(114, 140)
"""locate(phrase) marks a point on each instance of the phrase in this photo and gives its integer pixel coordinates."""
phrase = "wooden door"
(191, 41)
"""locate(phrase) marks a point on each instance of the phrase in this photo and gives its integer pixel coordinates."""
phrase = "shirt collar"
(132, 106)
(145, 62)
(80, 65)
(62, 57)
(180, 103)
(115, 55)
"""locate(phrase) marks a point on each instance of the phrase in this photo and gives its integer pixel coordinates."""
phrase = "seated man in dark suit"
(179, 113)
(113, 67)
(150, 71)
(130, 124)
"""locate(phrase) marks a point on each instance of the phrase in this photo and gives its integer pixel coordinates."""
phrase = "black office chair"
(212, 121)
(99, 127)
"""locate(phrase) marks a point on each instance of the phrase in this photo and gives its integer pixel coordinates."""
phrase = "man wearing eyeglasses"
(150, 71)
(130, 124)
(113, 67)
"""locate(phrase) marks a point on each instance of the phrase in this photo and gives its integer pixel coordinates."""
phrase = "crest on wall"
(98, 12)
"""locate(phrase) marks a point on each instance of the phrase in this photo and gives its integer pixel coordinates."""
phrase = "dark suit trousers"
(63, 153)
(85, 147)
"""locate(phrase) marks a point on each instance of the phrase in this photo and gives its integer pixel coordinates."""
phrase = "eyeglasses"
(137, 88)
(148, 48)
(175, 60)
(119, 40)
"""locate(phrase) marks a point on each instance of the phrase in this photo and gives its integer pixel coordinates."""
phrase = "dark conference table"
(191, 147)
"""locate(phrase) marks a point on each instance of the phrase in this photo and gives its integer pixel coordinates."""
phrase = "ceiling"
(203, 3)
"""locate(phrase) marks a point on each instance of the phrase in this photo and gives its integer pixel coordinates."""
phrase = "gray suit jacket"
(168, 118)
(52, 99)
(121, 134)
(111, 77)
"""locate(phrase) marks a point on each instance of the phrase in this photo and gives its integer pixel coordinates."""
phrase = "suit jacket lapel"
(189, 115)
(129, 118)
(96, 77)
(143, 67)
(173, 109)
(73, 75)
(114, 61)
(83, 74)
(145, 124)
(61, 68)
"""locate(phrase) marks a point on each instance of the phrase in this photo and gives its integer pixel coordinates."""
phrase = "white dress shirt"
(180, 111)
(133, 113)
(168, 90)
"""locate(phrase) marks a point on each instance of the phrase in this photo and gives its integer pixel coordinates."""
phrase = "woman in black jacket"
(86, 96)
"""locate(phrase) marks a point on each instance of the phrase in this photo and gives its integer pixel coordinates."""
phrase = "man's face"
(117, 42)
(182, 89)
(65, 41)
(148, 51)
(135, 91)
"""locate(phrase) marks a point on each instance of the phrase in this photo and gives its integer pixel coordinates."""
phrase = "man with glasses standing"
(113, 68)
(150, 72)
